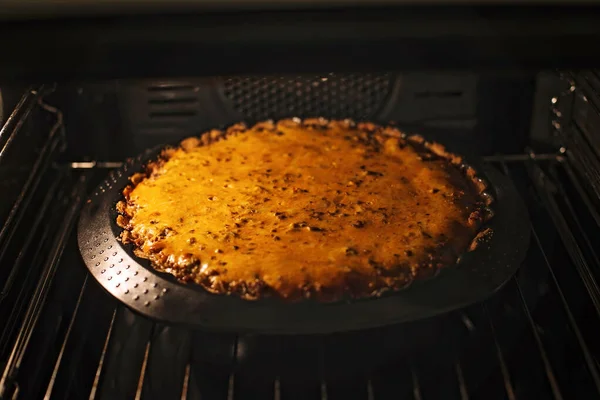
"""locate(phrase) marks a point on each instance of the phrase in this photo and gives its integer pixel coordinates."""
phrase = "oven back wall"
(482, 114)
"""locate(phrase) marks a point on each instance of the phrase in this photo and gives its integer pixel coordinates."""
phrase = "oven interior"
(62, 336)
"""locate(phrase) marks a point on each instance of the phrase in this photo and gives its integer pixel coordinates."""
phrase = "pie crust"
(296, 209)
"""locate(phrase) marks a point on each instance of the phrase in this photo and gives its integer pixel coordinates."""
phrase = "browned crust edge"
(429, 269)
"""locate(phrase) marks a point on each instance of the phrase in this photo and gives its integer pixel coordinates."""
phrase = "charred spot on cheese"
(297, 209)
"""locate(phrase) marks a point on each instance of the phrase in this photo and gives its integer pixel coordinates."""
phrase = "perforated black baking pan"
(158, 296)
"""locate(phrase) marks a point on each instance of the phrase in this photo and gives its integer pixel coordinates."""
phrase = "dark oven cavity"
(64, 336)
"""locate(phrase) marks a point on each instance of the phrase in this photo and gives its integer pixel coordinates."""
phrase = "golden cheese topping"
(312, 209)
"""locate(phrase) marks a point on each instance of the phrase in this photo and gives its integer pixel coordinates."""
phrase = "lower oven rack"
(537, 338)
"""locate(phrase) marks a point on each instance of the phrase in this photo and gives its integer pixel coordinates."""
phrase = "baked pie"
(295, 209)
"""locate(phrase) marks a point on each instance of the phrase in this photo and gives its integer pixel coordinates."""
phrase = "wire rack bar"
(102, 357)
(50, 386)
(47, 153)
(15, 121)
(43, 286)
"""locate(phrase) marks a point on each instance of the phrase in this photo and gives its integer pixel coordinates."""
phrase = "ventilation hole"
(171, 114)
(332, 95)
(180, 100)
(170, 86)
(438, 94)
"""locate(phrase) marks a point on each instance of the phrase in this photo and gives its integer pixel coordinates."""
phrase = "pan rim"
(159, 297)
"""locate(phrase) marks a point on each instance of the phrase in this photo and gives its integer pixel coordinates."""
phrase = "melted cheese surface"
(299, 211)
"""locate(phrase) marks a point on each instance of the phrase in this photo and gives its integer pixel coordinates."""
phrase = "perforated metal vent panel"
(358, 96)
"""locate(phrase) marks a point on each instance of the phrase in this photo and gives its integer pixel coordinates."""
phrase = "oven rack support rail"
(34, 147)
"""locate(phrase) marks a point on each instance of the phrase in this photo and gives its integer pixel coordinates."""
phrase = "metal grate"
(62, 336)
(576, 120)
(358, 96)
(526, 342)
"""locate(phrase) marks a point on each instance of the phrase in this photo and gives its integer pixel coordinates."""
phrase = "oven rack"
(68, 339)
(64, 337)
(575, 120)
